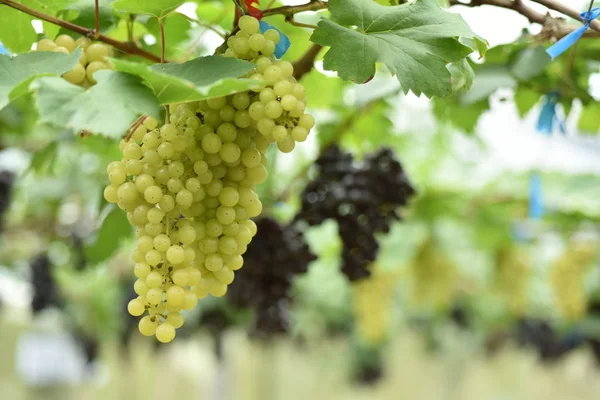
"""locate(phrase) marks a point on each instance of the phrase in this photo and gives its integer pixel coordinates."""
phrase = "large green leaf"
(198, 79)
(114, 229)
(530, 62)
(16, 31)
(157, 8)
(16, 73)
(107, 108)
(415, 41)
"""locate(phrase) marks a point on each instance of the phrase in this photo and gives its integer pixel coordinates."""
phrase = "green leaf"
(415, 41)
(107, 108)
(459, 115)
(43, 159)
(176, 28)
(525, 100)
(589, 120)
(488, 79)
(86, 15)
(157, 8)
(16, 73)
(462, 75)
(530, 62)
(198, 79)
(16, 31)
(114, 229)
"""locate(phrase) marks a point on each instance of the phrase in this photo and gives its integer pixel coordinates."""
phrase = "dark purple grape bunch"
(6, 184)
(363, 198)
(46, 293)
(274, 257)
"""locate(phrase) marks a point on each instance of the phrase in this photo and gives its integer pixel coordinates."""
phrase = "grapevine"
(188, 185)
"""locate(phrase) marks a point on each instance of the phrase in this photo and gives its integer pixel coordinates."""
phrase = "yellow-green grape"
(372, 305)
(165, 332)
(92, 59)
(512, 277)
(567, 279)
(434, 276)
(148, 325)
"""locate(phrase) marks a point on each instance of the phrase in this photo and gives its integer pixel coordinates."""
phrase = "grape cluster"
(93, 58)
(274, 257)
(372, 303)
(541, 336)
(45, 290)
(6, 184)
(277, 110)
(567, 279)
(511, 278)
(434, 277)
(188, 187)
(363, 199)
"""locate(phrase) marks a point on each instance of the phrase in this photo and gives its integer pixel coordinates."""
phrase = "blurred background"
(486, 286)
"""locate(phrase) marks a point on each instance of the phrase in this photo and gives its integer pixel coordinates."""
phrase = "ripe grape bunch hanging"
(188, 185)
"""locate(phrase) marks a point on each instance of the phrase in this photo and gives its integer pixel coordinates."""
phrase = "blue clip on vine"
(563, 44)
(3, 50)
(545, 125)
(284, 42)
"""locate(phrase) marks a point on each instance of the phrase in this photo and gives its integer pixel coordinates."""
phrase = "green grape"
(155, 215)
(267, 95)
(288, 102)
(287, 69)
(262, 63)
(187, 235)
(225, 215)
(256, 111)
(154, 280)
(153, 258)
(273, 109)
(211, 143)
(92, 68)
(175, 296)
(161, 243)
(141, 270)
(136, 307)
(224, 275)
(180, 277)
(96, 52)
(174, 319)
(248, 24)
(256, 42)
(217, 103)
(189, 301)
(258, 174)
(77, 75)
(227, 132)
(153, 195)
(154, 296)
(145, 243)
(272, 35)
(65, 41)
(213, 262)
(286, 145)
(45, 45)
(299, 134)
(175, 254)
(229, 197)
(230, 152)
(227, 113)
(306, 121)
(147, 325)
(282, 88)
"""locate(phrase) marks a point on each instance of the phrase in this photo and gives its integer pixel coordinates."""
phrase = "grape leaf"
(16, 31)
(198, 79)
(525, 100)
(530, 63)
(415, 41)
(589, 120)
(16, 73)
(114, 229)
(157, 8)
(107, 108)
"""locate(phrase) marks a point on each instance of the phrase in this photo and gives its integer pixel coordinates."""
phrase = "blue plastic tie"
(545, 125)
(3, 50)
(563, 44)
(284, 42)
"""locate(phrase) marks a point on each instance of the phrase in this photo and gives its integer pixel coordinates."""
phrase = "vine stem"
(124, 47)
(289, 11)
(97, 10)
(162, 40)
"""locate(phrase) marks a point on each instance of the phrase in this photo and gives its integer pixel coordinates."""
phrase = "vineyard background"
(469, 297)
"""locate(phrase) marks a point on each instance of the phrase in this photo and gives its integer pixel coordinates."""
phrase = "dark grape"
(274, 257)
(541, 336)
(6, 184)
(361, 197)
(45, 291)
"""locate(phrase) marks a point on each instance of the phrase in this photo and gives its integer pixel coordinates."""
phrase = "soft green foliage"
(198, 79)
(589, 121)
(114, 229)
(16, 73)
(415, 41)
(157, 8)
(108, 108)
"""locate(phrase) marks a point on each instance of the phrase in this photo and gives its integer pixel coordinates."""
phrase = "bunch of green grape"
(512, 277)
(277, 110)
(434, 277)
(372, 304)
(567, 279)
(188, 187)
(93, 57)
